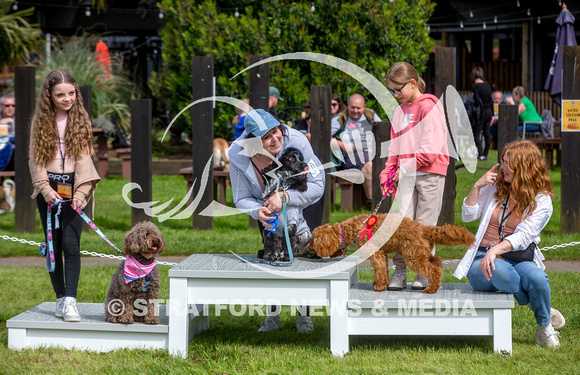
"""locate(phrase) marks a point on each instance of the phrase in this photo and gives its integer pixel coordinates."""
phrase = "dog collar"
(342, 244)
(133, 270)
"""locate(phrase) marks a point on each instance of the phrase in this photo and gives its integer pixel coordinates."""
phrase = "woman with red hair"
(514, 205)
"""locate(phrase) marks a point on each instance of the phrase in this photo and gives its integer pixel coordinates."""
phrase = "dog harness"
(133, 270)
(47, 248)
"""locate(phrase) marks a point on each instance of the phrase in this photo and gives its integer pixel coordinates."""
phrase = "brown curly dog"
(411, 239)
(133, 296)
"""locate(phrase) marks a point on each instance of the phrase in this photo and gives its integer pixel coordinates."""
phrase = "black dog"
(292, 174)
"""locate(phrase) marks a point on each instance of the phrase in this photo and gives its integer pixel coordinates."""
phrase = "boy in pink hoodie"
(418, 154)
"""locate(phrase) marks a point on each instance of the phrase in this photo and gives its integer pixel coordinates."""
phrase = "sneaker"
(59, 304)
(482, 158)
(398, 280)
(420, 283)
(271, 323)
(304, 324)
(70, 312)
(557, 318)
(547, 337)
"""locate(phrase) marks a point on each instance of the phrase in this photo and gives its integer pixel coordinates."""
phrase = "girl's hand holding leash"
(389, 186)
(76, 203)
(52, 196)
(490, 177)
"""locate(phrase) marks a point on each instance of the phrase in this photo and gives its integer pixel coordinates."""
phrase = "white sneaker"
(271, 323)
(59, 304)
(70, 312)
(420, 283)
(398, 280)
(547, 337)
(557, 319)
(304, 324)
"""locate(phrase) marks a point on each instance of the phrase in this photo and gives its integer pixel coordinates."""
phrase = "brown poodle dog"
(411, 239)
(134, 288)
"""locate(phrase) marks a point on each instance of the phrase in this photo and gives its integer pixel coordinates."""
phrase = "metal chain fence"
(111, 256)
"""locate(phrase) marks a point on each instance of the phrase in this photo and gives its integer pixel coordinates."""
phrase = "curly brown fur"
(411, 239)
(144, 242)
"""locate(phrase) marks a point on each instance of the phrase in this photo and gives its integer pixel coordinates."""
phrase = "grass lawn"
(232, 345)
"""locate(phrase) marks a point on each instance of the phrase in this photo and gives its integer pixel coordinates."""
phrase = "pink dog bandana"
(134, 270)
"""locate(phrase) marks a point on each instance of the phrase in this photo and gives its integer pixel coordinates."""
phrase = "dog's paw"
(260, 254)
(125, 319)
(431, 289)
(151, 320)
(379, 287)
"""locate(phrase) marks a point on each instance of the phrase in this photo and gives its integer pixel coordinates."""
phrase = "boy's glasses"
(397, 91)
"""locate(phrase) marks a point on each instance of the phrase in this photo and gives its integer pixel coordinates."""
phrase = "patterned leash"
(47, 248)
(372, 219)
(275, 221)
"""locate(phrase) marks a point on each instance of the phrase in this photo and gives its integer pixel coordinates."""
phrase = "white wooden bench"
(39, 327)
(455, 310)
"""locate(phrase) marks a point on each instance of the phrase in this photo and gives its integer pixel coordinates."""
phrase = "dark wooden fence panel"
(570, 215)
(320, 114)
(24, 88)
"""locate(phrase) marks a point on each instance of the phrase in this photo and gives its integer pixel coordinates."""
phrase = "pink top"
(418, 138)
(55, 165)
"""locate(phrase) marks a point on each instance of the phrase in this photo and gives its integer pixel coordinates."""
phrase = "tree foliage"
(370, 34)
(17, 35)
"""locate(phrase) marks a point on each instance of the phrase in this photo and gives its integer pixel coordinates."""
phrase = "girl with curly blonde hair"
(514, 206)
(62, 169)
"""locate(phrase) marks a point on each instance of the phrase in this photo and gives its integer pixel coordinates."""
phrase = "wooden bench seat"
(548, 145)
(220, 185)
(351, 195)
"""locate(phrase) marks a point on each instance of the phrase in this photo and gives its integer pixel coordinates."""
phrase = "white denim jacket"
(528, 230)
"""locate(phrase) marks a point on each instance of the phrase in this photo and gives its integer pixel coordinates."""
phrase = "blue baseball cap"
(258, 122)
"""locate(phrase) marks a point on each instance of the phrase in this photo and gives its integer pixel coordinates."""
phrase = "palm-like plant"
(18, 36)
(111, 95)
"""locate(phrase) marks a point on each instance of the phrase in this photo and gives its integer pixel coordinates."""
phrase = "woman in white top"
(514, 206)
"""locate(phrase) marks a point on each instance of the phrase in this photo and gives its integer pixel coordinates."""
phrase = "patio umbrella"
(564, 37)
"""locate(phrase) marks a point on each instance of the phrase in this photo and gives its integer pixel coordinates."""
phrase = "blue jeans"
(525, 280)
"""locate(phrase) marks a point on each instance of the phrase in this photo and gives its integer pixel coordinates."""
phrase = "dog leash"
(372, 219)
(47, 248)
(290, 255)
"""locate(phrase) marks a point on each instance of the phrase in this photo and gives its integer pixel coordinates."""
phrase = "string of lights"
(483, 18)
(462, 20)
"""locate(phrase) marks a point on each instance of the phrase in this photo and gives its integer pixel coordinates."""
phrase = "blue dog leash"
(47, 248)
(275, 221)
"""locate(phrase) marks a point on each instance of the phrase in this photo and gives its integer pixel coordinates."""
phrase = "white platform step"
(456, 309)
(39, 327)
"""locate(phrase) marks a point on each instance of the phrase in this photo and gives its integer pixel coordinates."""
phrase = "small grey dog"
(134, 288)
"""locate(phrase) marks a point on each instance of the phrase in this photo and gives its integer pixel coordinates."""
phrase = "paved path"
(551, 265)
